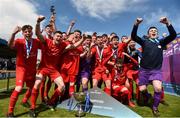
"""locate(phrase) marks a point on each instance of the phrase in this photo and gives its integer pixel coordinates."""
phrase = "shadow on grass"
(18, 115)
(7, 94)
(39, 109)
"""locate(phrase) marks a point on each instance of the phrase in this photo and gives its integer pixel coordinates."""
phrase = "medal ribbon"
(115, 53)
(154, 40)
(28, 47)
(100, 54)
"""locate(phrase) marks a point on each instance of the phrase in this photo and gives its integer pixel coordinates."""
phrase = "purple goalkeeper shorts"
(146, 76)
(85, 74)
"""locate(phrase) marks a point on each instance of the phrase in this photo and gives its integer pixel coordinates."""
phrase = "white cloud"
(88, 32)
(91, 32)
(15, 12)
(64, 20)
(102, 9)
(154, 17)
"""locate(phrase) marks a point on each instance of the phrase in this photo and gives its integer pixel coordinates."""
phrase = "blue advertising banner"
(171, 67)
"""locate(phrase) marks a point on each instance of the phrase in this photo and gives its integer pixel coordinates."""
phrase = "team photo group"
(74, 61)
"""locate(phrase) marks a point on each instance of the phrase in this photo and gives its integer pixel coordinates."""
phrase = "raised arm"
(132, 59)
(11, 40)
(80, 41)
(52, 22)
(38, 30)
(134, 31)
(70, 27)
(75, 45)
(172, 32)
(91, 51)
(85, 52)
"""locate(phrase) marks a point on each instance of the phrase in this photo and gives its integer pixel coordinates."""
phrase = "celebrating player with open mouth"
(152, 57)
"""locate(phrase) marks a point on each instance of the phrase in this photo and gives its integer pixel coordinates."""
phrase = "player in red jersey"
(53, 50)
(111, 36)
(105, 39)
(93, 43)
(120, 81)
(117, 50)
(47, 33)
(119, 90)
(118, 71)
(26, 58)
(69, 66)
(100, 71)
(132, 73)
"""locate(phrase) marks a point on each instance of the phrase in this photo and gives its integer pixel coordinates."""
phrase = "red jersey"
(22, 58)
(52, 53)
(122, 47)
(70, 60)
(119, 79)
(117, 54)
(132, 63)
(102, 56)
(42, 63)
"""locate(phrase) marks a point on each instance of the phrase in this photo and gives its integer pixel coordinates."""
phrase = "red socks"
(13, 99)
(26, 96)
(116, 91)
(55, 97)
(71, 90)
(34, 96)
(131, 89)
(107, 90)
(42, 89)
(137, 92)
(128, 94)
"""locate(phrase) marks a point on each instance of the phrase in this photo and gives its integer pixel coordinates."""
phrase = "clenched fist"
(138, 21)
(40, 18)
(17, 29)
(164, 20)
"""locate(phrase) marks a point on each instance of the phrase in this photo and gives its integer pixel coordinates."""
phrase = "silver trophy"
(80, 97)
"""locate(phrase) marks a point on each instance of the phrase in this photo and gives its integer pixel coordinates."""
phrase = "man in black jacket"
(152, 58)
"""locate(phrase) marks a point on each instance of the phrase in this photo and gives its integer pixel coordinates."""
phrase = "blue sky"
(102, 16)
